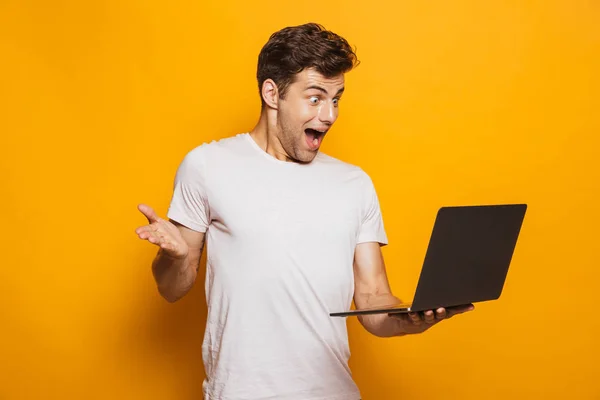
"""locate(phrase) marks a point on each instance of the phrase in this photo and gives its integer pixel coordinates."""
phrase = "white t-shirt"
(280, 240)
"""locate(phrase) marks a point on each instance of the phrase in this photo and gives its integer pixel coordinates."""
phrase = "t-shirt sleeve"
(189, 203)
(372, 228)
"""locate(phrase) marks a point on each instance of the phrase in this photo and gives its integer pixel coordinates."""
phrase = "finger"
(154, 239)
(401, 316)
(144, 232)
(441, 313)
(153, 235)
(148, 234)
(415, 318)
(429, 317)
(148, 213)
(146, 228)
(452, 311)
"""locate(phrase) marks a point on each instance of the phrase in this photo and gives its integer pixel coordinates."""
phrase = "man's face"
(307, 112)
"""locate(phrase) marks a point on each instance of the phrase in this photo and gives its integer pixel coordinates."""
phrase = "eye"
(336, 101)
(314, 100)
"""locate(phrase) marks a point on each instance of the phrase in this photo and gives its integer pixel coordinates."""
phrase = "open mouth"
(314, 137)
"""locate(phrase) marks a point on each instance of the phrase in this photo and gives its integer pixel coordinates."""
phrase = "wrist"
(172, 262)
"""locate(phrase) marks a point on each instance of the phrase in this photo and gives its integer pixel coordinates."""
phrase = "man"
(293, 234)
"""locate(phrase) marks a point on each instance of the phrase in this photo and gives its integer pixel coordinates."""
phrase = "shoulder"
(208, 156)
(350, 171)
(214, 150)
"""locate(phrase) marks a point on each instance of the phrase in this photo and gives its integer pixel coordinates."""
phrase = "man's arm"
(372, 289)
(175, 277)
(176, 264)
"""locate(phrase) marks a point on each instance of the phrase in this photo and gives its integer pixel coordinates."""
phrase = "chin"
(306, 156)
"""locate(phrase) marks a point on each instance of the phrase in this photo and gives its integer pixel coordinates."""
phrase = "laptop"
(467, 258)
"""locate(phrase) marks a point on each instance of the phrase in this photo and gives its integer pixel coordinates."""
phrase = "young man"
(293, 234)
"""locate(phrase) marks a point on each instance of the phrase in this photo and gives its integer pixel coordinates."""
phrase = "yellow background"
(454, 103)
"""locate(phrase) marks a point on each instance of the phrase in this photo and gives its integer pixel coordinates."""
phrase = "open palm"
(162, 233)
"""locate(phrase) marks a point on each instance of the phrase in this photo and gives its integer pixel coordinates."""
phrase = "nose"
(327, 113)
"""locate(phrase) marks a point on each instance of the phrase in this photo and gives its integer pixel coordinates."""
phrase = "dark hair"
(295, 48)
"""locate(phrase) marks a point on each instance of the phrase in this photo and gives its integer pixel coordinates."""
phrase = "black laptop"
(467, 258)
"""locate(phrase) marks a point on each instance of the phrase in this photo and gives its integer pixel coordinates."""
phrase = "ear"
(270, 94)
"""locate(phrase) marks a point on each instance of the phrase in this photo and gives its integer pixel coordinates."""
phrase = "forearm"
(381, 325)
(174, 276)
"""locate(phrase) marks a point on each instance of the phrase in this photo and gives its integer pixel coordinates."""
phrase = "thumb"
(148, 213)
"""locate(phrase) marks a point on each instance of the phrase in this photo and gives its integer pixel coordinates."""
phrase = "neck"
(266, 134)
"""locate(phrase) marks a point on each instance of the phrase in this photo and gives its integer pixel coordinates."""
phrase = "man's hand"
(162, 233)
(418, 322)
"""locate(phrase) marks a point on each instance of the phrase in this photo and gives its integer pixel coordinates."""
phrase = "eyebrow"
(319, 88)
